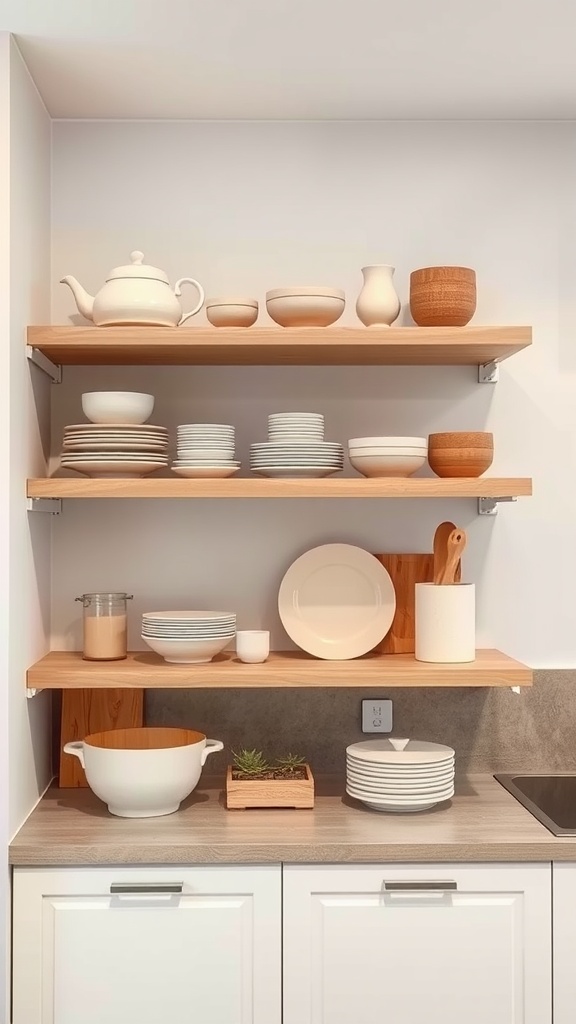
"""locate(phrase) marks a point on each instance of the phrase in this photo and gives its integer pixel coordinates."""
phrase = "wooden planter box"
(244, 793)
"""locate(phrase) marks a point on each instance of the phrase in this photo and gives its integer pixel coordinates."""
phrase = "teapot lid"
(138, 269)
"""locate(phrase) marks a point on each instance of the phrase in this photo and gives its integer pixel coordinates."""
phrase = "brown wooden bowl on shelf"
(462, 439)
(460, 453)
(442, 296)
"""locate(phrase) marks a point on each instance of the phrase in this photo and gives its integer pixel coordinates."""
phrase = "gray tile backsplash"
(490, 729)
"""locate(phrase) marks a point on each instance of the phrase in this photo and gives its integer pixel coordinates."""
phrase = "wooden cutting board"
(406, 571)
(88, 711)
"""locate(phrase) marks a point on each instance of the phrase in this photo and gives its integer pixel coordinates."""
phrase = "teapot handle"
(178, 292)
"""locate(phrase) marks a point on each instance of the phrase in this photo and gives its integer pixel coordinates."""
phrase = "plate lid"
(137, 268)
(400, 751)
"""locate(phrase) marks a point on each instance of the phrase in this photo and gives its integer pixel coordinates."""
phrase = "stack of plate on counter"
(117, 450)
(399, 775)
(188, 637)
(206, 450)
(296, 448)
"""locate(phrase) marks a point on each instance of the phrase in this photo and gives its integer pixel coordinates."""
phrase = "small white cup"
(253, 645)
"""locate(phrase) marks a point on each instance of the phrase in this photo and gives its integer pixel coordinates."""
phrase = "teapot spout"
(84, 301)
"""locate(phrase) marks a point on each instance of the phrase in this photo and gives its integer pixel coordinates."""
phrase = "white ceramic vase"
(378, 304)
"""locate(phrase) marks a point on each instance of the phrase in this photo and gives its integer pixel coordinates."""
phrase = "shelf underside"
(273, 346)
(145, 670)
(255, 487)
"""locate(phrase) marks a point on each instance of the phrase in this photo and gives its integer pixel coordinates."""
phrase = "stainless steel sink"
(550, 798)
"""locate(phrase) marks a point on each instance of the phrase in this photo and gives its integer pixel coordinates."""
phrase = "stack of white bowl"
(188, 638)
(399, 775)
(387, 456)
(206, 450)
(296, 448)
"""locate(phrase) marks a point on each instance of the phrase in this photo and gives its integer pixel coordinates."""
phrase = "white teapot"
(135, 294)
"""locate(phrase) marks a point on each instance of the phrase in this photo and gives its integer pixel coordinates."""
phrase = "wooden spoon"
(441, 552)
(455, 547)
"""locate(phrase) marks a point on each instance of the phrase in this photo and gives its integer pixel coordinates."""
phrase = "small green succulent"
(290, 763)
(250, 762)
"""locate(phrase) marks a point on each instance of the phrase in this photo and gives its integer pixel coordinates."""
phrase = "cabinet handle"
(420, 886)
(145, 887)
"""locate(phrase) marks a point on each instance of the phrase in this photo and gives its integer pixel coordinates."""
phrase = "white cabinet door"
(564, 941)
(365, 945)
(90, 948)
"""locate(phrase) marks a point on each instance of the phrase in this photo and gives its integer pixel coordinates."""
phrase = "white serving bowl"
(305, 306)
(188, 652)
(143, 773)
(388, 451)
(232, 312)
(117, 406)
(387, 465)
(388, 442)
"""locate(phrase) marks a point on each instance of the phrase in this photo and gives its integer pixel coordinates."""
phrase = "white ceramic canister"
(378, 304)
(445, 622)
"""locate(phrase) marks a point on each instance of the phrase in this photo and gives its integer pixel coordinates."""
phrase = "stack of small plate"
(399, 775)
(116, 450)
(296, 448)
(188, 638)
(206, 450)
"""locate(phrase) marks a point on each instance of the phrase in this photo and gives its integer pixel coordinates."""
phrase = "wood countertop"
(483, 822)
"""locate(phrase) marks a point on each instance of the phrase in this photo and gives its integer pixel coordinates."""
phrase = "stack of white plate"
(399, 775)
(188, 638)
(296, 448)
(387, 456)
(116, 450)
(206, 450)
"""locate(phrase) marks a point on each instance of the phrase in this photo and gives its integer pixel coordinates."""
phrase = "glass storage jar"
(105, 626)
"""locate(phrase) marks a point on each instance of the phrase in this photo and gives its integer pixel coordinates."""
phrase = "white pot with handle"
(143, 773)
(135, 294)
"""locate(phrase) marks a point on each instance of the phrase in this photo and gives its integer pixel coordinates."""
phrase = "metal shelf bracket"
(51, 505)
(489, 373)
(489, 506)
(52, 370)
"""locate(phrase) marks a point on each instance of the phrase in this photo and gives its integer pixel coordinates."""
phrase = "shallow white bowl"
(187, 652)
(361, 452)
(388, 442)
(305, 307)
(117, 406)
(138, 779)
(233, 312)
(387, 465)
(205, 472)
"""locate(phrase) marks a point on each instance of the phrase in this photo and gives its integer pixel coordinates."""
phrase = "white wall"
(249, 206)
(4, 511)
(29, 574)
(24, 552)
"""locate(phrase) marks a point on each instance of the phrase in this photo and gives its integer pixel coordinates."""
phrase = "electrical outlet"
(376, 715)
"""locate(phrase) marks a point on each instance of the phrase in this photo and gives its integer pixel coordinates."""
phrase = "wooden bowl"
(442, 296)
(462, 439)
(460, 461)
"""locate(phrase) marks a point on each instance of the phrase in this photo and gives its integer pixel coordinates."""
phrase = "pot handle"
(76, 747)
(211, 747)
(178, 293)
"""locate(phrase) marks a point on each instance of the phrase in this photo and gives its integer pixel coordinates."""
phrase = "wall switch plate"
(376, 715)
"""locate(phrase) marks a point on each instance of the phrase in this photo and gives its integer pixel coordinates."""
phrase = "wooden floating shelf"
(278, 346)
(256, 487)
(143, 669)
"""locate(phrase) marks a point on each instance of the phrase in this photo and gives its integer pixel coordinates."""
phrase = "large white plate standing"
(337, 602)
